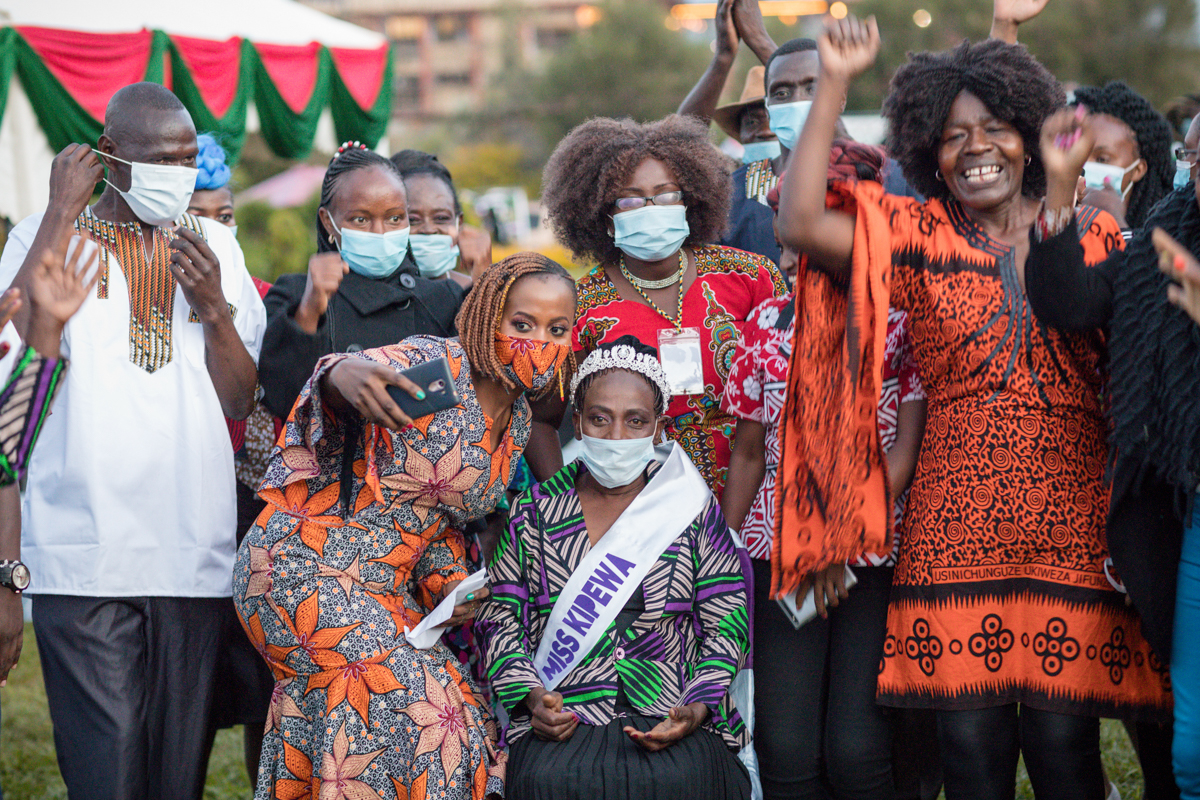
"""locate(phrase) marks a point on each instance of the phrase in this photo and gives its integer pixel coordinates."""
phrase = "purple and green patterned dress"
(24, 405)
(680, 640)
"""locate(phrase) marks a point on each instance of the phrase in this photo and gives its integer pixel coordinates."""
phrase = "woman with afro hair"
(644, 203)
(1132, 149)
(1004, 617)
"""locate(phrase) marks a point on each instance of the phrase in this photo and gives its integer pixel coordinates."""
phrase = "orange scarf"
(831, 497)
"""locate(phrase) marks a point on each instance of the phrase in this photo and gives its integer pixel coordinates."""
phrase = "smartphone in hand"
(435, 379)
(801, 610)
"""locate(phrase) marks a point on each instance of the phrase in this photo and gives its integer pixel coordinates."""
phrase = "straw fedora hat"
(727, 116)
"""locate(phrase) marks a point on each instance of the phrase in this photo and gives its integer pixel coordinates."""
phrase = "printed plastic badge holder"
(679, 354)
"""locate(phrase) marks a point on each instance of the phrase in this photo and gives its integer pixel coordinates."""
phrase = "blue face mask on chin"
(758, 151)
(787, 120)
(651, 233)
(1183, 174)
(373, 255)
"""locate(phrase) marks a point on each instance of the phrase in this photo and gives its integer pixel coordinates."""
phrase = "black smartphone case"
(435, 378)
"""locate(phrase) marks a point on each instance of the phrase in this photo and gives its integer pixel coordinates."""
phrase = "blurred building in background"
(446, 53)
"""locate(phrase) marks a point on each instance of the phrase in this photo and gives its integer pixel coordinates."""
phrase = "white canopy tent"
(25, 152)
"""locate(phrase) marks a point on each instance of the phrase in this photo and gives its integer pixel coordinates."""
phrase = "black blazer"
(362, 314)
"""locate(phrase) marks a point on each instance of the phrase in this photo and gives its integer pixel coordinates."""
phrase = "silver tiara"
(623, 356)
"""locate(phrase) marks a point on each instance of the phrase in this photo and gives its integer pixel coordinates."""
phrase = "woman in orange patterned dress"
(326, 591)
(1003, 617)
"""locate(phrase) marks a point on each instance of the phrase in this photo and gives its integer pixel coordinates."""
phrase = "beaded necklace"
(678, 320)
(642, 283)
(150, 280)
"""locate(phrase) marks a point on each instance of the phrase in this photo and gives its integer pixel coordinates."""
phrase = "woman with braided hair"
(1003, 616)
(362, 537)
(1130, 167)
(361, 290)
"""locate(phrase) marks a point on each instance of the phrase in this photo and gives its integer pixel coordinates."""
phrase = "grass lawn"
(28, 770)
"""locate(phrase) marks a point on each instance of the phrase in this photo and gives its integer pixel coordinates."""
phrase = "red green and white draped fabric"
(70, 76)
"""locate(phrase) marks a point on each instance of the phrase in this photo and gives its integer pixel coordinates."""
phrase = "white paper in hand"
(427, 632)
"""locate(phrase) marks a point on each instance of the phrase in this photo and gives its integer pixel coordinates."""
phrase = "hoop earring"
(1028, 159)
(937, 173)
(331, 238)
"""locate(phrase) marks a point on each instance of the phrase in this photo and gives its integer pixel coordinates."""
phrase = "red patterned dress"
(1000, 592)
(325, 596)
(729, 284)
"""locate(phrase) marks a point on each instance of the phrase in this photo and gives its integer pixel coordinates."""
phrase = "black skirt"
(603, 763)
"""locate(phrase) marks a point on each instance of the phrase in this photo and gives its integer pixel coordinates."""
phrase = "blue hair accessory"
(210, 161)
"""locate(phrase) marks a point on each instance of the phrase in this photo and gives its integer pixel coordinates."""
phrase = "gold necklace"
(678, 321)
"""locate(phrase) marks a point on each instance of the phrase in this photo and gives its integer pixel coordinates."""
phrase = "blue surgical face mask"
(616, 462)
(1183, 174)
(435, 253)
(757, 151)
(651, 233)
(787, 120)
(1095, 174)
(373, 255)
(233, 230)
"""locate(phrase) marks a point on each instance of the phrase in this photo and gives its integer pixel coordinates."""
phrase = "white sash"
(604, 581)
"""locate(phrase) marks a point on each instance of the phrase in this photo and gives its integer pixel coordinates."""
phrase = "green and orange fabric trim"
(70, 75)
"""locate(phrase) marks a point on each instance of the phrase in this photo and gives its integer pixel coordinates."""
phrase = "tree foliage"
(276, 241)
(1150, 44)
(626, 65)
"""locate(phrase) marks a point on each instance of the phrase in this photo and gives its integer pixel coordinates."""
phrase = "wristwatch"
(14, 575)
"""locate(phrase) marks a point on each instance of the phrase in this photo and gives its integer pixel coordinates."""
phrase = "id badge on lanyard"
(680, 356)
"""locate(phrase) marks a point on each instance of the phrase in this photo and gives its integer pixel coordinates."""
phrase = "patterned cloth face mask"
(530, 363)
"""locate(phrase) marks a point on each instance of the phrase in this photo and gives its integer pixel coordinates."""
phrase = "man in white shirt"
(129, 507)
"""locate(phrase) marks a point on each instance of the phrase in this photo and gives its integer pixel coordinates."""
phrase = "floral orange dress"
(325, 595)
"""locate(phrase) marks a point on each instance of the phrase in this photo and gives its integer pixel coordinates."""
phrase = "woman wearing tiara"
(621, 687)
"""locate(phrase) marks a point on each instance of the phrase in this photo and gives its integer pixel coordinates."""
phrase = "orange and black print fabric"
(1001, 592)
